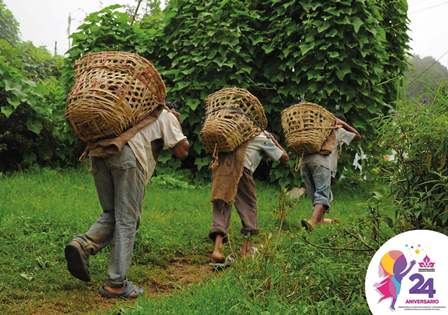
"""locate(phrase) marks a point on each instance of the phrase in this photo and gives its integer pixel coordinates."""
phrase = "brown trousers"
(245, 204)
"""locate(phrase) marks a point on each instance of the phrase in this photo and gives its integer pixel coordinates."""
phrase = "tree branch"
(338, 248)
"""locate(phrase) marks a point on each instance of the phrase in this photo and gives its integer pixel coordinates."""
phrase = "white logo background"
(415, 245)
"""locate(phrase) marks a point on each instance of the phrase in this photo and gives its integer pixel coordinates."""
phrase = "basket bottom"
(306, 147)
(218, 140)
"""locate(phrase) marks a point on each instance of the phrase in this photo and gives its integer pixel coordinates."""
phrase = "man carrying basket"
(262, 145)
(126, 90)
(234, 131)
(317, 136)
(319, 168)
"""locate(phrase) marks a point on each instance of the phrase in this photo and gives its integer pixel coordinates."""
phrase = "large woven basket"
(232, 116)
(306, 127)
(240, 99)
(112, 92)
(227, 129)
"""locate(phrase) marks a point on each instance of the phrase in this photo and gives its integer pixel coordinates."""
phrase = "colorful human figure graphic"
(393, 266)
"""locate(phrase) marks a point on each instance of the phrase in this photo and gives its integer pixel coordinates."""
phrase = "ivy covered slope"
(394, 23)
(331, 53)
(343, 55)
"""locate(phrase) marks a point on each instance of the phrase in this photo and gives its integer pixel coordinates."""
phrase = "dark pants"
(245, 204)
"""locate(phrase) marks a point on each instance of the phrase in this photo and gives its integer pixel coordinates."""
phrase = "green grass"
(41, 210)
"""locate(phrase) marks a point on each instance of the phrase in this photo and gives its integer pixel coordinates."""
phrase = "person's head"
(341, 116)
(393, 262)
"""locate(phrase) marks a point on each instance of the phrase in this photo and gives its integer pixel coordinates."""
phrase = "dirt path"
(80, 298)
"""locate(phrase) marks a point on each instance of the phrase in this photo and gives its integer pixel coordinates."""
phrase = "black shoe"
(77, 261)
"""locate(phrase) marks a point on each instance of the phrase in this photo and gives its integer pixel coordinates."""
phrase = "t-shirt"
(330, 161)
(167, 128)
(261, 145)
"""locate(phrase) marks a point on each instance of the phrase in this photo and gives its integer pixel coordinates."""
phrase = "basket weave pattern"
(306, 127)
(233, 116)
(227, 129)
(238, 99)
(112, 92)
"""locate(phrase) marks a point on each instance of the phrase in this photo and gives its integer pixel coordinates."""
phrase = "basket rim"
(317, 106)
(262, 121)
(93, 53)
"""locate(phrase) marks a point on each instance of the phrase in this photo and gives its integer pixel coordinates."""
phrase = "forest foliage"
(416, 135)
(348, 56)
(32, 102)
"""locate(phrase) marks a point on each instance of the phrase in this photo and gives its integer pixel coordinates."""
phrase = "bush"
(417, 136)
(333, 53)
(32, 103)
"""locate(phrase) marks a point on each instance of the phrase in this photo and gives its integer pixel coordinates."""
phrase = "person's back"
(120, 180)
(244, 195)
(317, 170)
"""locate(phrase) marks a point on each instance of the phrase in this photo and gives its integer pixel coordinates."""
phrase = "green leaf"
(193, 103)
(342, 72)
(357, 22)
(13, 101)
(7, 111)
(35, 126)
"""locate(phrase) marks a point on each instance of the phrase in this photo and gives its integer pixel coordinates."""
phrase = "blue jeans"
(317, 179)
(119, 182)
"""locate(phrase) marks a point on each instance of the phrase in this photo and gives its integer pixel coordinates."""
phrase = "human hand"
(180, 150)
(285, 157)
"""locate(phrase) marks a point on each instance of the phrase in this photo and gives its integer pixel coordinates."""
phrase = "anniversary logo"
(409, 273)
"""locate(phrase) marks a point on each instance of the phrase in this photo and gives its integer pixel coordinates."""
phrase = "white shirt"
(167, 128)
(260, 145)
(342, 137)
(331, 161)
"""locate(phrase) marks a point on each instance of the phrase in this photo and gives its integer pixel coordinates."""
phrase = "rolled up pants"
(119, 182)
(245, 204)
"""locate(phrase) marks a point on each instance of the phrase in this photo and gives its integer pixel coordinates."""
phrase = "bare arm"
(285, 157)
(180, 150)
(348, 128)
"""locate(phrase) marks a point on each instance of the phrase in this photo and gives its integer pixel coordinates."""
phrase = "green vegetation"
(345, 55)
(9, 27)
(56, 205)
(32, 103)
(416, 133)
(349, 56)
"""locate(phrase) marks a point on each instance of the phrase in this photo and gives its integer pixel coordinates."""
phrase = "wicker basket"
(232, 116)
(226, 130)
(239, 99)
(306, 127)
(112, 92)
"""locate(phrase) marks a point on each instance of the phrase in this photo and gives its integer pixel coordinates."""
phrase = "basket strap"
(215, 159)
(298, 163)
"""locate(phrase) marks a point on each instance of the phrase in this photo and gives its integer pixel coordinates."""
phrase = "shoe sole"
(76, 264)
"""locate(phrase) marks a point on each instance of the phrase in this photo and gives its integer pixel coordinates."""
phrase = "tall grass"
(43, 209)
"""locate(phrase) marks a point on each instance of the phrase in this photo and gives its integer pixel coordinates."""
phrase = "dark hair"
(172, 104)
(341, 116)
